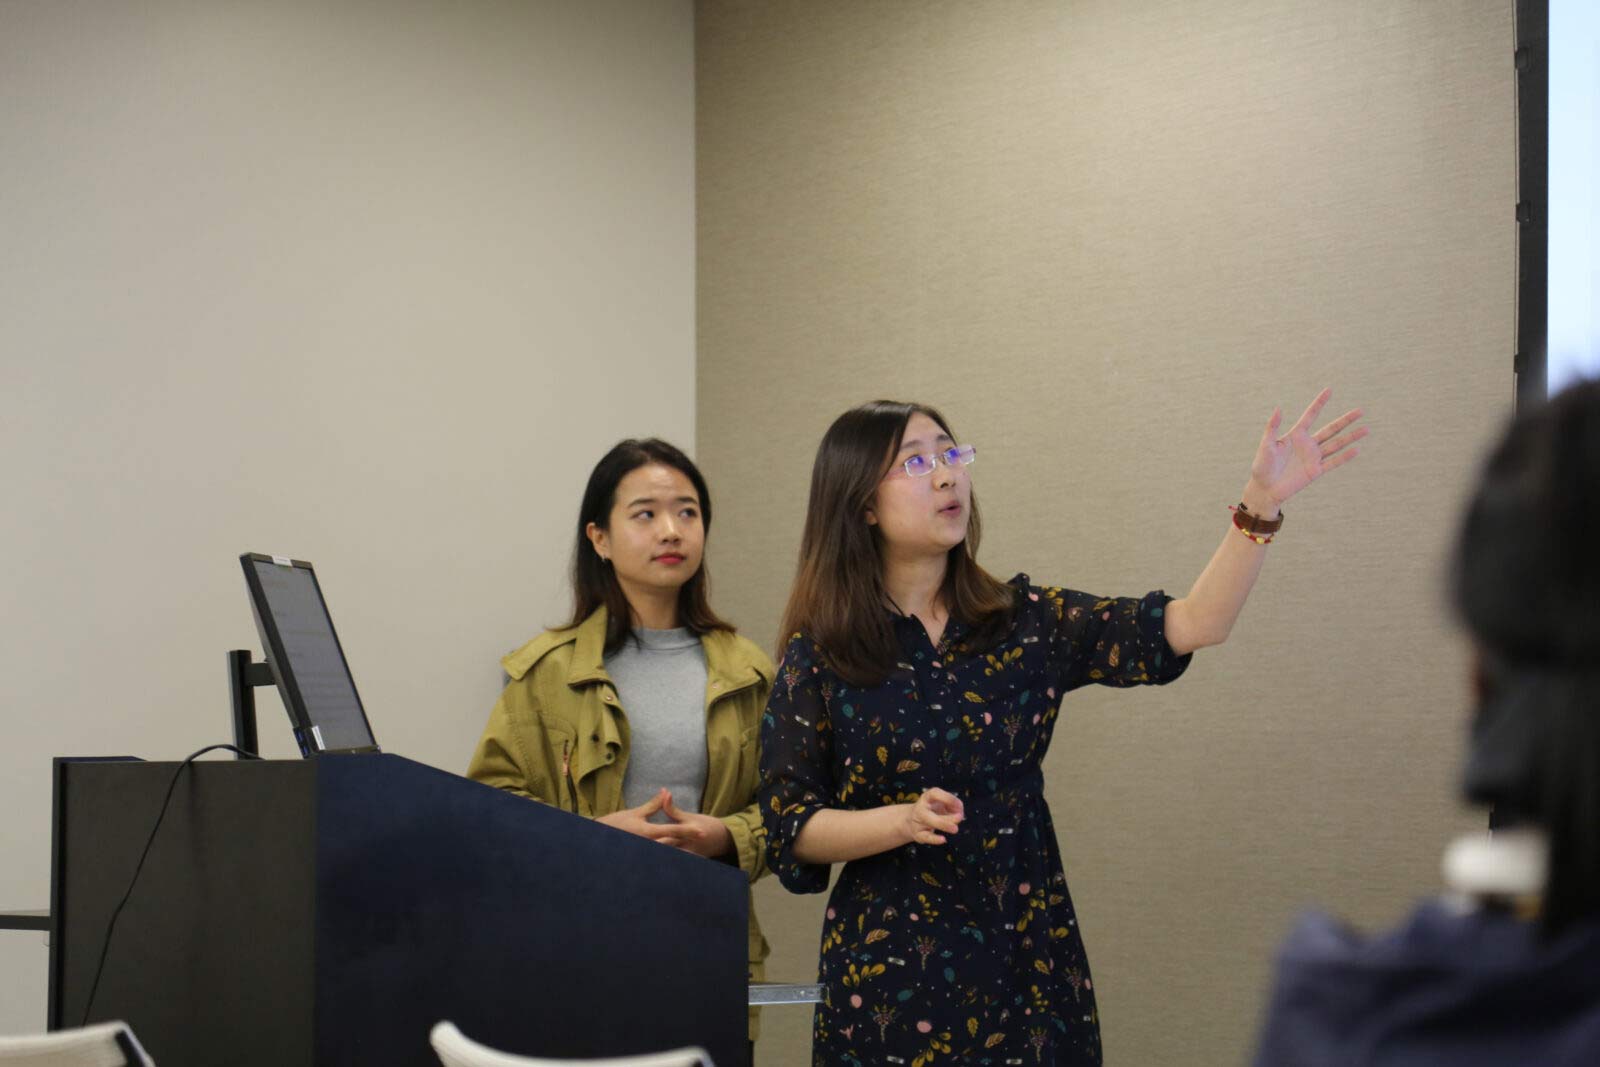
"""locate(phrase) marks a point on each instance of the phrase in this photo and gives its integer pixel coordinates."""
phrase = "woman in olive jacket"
(681, 764)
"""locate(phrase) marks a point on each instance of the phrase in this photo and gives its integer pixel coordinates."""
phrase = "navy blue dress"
(966, 952)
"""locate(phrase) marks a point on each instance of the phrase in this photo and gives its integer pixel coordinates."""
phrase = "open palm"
(1285, 465)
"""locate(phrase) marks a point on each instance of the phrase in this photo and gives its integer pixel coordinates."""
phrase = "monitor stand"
(244, 676)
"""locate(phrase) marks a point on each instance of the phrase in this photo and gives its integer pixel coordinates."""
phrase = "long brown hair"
(839, 599)
(594, 582)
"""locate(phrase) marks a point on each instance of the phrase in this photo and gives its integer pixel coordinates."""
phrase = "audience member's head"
(1526, 580)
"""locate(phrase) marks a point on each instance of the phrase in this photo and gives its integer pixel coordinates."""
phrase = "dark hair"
(594, 582)
(1526, 577)
(838, 598)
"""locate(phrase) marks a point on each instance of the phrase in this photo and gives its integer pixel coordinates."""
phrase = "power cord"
(111, 926)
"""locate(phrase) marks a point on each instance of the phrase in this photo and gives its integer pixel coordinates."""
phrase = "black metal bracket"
(244, 675)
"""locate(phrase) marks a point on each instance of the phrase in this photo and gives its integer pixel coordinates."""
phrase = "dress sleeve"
(796, 764)
(1119, 641)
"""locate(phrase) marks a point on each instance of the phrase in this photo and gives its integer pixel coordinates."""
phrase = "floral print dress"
(966, 952)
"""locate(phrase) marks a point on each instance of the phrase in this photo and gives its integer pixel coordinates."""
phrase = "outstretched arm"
(1282, 467)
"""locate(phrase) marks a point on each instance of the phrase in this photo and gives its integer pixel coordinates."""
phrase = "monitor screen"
(305, 656)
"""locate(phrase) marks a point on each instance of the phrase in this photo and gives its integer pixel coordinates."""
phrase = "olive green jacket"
(559, 735)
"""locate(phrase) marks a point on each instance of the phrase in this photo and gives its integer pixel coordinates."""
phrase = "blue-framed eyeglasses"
(923, 465)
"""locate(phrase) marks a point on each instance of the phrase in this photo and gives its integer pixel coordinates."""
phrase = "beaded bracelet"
(1260, 539)
(1259, 530)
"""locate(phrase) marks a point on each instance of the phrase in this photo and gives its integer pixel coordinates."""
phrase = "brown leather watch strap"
(1255, 524)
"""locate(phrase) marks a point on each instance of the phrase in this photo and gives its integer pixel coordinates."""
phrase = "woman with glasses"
(905, 733)
(679, 765)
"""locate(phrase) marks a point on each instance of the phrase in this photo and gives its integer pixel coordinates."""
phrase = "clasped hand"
(704, 835)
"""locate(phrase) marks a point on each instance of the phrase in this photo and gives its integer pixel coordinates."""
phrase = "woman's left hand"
(1285, 465)
(704, 835)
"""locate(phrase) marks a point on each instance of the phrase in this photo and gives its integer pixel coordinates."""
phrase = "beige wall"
(1106, 238)
(371, 284)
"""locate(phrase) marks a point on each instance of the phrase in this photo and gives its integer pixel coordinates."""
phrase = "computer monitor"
(305, 656)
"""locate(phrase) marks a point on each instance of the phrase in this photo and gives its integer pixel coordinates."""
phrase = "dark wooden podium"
(329, 911)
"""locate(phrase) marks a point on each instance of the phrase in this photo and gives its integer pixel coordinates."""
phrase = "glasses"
(922, 466)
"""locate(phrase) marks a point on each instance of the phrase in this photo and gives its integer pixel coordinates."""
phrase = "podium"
(329, 911)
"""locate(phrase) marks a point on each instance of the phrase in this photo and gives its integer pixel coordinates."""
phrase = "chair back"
(455, 1049)
(101, 1045)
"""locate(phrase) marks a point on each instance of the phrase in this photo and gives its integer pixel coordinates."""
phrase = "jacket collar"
(588, 663)
(728, 667)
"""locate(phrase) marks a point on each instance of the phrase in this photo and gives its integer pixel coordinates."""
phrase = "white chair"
(101, 1045)
(457, 1050)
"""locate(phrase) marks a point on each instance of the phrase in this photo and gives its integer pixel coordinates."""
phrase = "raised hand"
(1285, 465)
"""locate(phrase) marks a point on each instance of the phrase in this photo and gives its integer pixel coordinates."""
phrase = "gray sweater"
(660, 677)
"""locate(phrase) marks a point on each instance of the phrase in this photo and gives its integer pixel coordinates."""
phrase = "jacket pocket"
(561, 740)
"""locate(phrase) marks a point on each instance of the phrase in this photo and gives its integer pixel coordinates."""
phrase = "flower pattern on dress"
(967, 952)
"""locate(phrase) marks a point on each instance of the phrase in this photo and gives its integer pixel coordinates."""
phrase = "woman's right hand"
(935, 814)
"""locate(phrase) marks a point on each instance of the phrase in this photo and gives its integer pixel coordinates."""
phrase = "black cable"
(111, 926)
